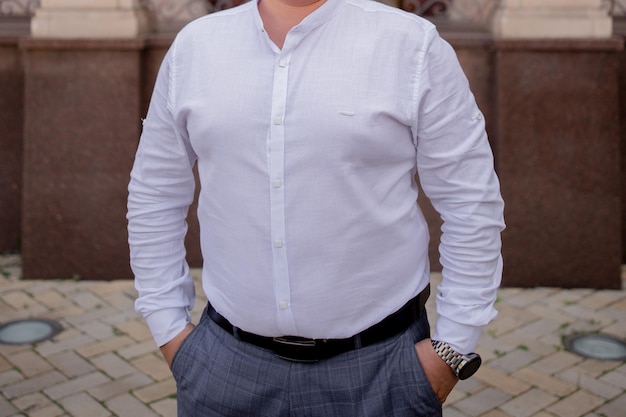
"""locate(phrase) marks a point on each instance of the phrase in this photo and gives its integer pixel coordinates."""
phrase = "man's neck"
(279, 16)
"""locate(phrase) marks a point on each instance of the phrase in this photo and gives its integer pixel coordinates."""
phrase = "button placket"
(277, 194)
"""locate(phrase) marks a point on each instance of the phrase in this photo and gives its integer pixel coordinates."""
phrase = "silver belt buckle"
(284, 345)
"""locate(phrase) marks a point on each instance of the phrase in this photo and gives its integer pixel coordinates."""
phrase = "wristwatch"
(463, 366)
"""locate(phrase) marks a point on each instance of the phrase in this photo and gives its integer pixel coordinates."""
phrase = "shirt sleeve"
(161, 189)
(456, 171)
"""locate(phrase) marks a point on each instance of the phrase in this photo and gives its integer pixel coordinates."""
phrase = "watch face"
(468, 367)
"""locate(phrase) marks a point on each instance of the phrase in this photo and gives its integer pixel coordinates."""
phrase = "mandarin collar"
(320, 16)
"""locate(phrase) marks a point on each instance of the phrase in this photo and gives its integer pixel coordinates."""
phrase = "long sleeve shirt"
(307, 157)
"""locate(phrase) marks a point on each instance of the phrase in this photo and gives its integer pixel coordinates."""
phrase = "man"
(308, 121)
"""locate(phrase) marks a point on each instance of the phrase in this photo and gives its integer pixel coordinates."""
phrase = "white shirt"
(307, 158)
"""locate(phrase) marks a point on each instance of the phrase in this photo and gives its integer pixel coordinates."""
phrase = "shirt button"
(278, 243)
(278, 183)
(282, 63)
(283, 305)
(277, 120)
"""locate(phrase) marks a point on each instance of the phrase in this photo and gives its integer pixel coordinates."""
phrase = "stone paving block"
(30, 385)
(588, 314)
(165, 407)
(120, 317)
(482, 401)
(513, 361)
(501, 381)
(470, 386)
(160, 390)
(75, 385)
(615, 378)
(452, 412)
(455, 396)
(153, 365)
(104, 346)
(138, 349)
(488, 345)
(71, 364)
(25, 313)
(137, 329)
(120, 386)
(526, 298)
(37, 405)
(614, 408)
(601, 299)
(488, 355)
(563, 298)
(96, 329)
(62, 313)
(63, 343)
(121, 301)
(584, 380)
(543, 414)
(619, 305)
(538, 328)
(113, 365)
(533, 346)
(553, 339)
(41, 286)
(86, 300)
(128, 406)
(502, 325)
(617, 329)
(589, 325)
(556, 362)
(51, 299)
(110, 287)
(82, 404)
(496, 413)
(91, 315)
(595, 367)
(553, 315)
(6, 310)
(529, 403)
(6, 409)
(9, 377)
(29, 363)
(545, 382)
(577, 404)
(10, 285)
(19, 300)
(522, 313)
(5, 365)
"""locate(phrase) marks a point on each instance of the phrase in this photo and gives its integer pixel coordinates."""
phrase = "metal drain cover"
(28, 331)
(597, 346)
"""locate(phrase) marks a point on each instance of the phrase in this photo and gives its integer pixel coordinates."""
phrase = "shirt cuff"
(167, 323)
(460, 337)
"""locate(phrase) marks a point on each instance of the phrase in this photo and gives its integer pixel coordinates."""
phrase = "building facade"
(549, 75)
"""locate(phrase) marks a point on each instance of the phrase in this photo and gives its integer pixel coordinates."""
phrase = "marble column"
(528, 19)
(82, 108)
(102, 19)
(557, 141)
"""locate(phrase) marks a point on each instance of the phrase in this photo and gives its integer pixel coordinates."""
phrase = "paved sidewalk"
(104, 362)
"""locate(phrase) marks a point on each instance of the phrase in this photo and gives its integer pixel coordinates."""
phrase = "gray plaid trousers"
(218, 375)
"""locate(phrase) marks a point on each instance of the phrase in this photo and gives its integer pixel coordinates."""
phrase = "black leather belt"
(300, 349)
